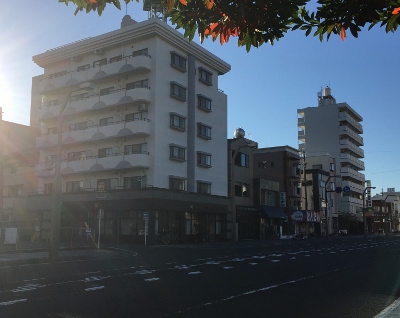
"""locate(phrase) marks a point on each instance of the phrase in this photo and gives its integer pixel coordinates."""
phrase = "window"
(177, 152)
(13, 191)
(76, 155)
(58, 74)
(53, 102)
(134, 183)
(205, 76)
(203, 159)
(116, 59)
(242, 189)
(78, 97)
(137, 84)
(106, 121)
(332, 167)
(104, 152)
(100, 62)
(77, 126)
(104, 184)
(74, 186)
(106, 91)
(203, 103)
(50, 159)
(177, 183)
(48, 188)
(178, 91)
(203, 131)
(140, 52)
(137, 148)
(177, 121)
(178, 61)
(203, 187)
(83, 68)
(241, 159)
(52, 130)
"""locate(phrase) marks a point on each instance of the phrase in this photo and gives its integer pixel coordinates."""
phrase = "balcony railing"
(94, 101)
(117, 129)
(348, 145)
(52, 83)
(346, 117)
(348, 158)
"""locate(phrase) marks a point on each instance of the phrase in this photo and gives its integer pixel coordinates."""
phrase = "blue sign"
(338, 190)
(346, 190)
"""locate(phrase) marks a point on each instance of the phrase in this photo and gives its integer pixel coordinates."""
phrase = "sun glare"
(5, 93)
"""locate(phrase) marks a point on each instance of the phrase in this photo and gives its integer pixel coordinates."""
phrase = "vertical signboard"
(369, 201)
(282, 199)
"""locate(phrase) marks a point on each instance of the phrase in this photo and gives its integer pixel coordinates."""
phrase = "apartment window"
(100, 62)
(177, 153)
(134, 149)
(137, 84)
(83, 67)
(58, 74)
(74, 186)
(52, 130)
(76, 155)
(242, 189)
(178, 61)
(50, 159)
(106, 121)
(332, 167)
(241, 159)
(136, 116)
(377, 219)
(203, 131)
(13, 191)
(104, 184)
(79, 97)
(53, 102)
(205, 76)
(178, 91)
(177, 121)
(106, 91)
(48, 188)
(134, 183)
(104, 152)
(203, 103)
(203, 187)
(140, 52)
(177, 183)
(116, 59)
(203, 159)
(77, 126)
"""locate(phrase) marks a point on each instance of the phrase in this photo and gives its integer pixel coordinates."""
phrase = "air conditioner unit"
(76, 58)
(142, 107)
(98, 51)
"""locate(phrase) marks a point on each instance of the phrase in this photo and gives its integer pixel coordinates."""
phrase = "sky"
(265, 87)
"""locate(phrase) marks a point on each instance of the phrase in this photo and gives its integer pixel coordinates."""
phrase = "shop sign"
(313, 216)
(282, 199)
(297, 216)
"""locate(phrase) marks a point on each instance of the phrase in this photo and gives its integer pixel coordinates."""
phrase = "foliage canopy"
(255, 22)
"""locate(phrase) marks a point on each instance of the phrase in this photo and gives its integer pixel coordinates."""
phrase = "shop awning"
(272, 212)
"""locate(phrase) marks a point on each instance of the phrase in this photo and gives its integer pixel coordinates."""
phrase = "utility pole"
(305, 180)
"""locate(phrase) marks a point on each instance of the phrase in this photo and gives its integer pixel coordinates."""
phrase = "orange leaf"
(342, 33)
(92, 1)
(396, 11)
(184, 2)
(170, 4)
(209, 4)
(210, 28)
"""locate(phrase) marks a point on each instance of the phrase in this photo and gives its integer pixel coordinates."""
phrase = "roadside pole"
(146, 226)
(98, 236)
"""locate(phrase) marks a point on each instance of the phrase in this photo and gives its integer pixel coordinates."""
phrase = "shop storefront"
(307, 222)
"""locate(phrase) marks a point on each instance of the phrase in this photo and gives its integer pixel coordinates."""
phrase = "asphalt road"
(341, 277)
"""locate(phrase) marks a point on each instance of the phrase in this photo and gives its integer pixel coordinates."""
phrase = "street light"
(386, 212)
(363, 209)
(57, 181)
(326, 203)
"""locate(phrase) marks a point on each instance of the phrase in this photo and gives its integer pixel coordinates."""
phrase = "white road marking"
(12, 302)
(94, 288)
(151, 279)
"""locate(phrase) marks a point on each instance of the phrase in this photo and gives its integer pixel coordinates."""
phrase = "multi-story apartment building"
(17, 180)
(143, 130)
(335, 128)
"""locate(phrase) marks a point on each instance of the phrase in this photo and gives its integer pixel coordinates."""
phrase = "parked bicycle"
(166, 238)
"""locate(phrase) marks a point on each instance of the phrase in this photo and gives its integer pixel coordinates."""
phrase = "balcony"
(116, 162)
(343, 130)
(353, 174)
(354, 187)
(91, 102)
(347, 118)
(293, 172)
(347, 146)
(54, 83)
(349, 159)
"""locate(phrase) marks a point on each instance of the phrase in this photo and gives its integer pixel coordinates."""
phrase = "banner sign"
(369, 200)
(282, 199)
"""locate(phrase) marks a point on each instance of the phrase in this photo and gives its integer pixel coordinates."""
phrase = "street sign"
(88, 231)
(338, 190)
(346, 190)
(145, 215)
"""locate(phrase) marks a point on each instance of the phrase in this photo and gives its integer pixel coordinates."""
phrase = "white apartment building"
(335, 128)
(145, 122)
